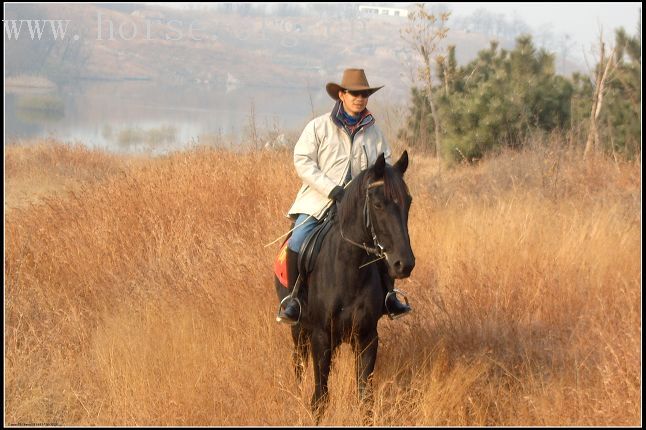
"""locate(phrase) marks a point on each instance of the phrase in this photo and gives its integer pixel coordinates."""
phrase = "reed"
(139, 292)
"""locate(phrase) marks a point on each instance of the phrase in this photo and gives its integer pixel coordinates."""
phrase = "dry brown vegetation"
(46, 168)
(141, 293)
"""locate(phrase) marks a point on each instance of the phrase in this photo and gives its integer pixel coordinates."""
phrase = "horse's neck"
(354, 224)
(347, 260)
(354, 230)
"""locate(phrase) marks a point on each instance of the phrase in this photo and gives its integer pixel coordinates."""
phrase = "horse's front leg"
(322, 357)
(301, 349)
(366, 351)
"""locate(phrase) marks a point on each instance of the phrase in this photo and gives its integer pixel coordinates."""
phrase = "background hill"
(280, 46)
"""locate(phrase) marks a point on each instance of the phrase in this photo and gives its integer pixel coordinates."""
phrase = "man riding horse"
(332, 150)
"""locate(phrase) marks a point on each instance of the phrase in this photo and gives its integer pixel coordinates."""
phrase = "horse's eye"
(378, 205)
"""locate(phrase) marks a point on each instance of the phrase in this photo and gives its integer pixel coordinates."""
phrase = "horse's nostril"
(403, 268)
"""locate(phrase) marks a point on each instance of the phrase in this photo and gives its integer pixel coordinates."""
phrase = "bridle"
(377, 249)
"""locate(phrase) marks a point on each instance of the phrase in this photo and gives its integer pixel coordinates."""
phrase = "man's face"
(354, 102)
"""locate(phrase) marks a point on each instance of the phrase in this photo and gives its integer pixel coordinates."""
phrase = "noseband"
(377, 249)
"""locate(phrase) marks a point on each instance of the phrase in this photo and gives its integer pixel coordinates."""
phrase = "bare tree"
(604, 69)
(424, 33)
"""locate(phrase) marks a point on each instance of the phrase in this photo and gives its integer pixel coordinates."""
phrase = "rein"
(377, 249)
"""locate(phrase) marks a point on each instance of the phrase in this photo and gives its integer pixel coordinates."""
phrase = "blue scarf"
(349, 119)
(351, 124)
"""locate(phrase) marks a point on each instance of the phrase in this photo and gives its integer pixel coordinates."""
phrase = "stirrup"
(390, 314)
(280, 306)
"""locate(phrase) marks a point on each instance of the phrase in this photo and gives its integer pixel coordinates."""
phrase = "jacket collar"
(365, 120)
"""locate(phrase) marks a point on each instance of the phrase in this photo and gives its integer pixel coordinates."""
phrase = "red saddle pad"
(280, 265)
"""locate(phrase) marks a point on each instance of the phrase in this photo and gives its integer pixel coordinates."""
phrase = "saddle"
(312, 244)
(308, 251)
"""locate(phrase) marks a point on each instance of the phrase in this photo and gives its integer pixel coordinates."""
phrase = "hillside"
(208, 47)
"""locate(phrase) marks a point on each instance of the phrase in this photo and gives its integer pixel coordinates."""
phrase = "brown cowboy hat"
(353, 80)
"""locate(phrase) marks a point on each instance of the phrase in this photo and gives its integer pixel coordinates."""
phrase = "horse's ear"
(380, 166)
(402, 163)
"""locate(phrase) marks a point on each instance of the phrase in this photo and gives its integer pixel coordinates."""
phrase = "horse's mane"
(395, 189)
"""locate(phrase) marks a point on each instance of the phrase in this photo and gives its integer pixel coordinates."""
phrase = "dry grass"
(45, 168)
(144, 296)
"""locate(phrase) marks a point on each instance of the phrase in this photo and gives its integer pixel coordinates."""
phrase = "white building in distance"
(383, 11)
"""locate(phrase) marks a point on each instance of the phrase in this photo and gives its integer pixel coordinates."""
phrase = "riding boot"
(392, 306)
(290, 314)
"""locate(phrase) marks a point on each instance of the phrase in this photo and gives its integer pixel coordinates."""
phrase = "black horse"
(344, 297)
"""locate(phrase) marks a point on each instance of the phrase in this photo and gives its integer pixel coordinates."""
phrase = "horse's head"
(388, 206)
(385, 199)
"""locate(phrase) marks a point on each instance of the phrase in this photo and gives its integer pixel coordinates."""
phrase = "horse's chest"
(351, 316)
(342, 309)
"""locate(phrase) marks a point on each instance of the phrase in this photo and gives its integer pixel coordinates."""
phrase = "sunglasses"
(365, 93)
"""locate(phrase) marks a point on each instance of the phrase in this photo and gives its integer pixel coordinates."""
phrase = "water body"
(142, 116)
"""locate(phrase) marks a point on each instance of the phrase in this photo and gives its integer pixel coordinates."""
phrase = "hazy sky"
(580, 20)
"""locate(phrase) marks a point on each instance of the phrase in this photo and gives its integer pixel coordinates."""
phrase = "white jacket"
(323, 155)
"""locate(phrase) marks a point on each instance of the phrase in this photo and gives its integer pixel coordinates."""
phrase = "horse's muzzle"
(403, 268)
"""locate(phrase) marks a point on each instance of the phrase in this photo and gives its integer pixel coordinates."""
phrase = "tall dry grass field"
(140, 293)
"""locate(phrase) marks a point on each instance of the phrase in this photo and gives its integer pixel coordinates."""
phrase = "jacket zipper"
(365, 153)
(349, 168)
